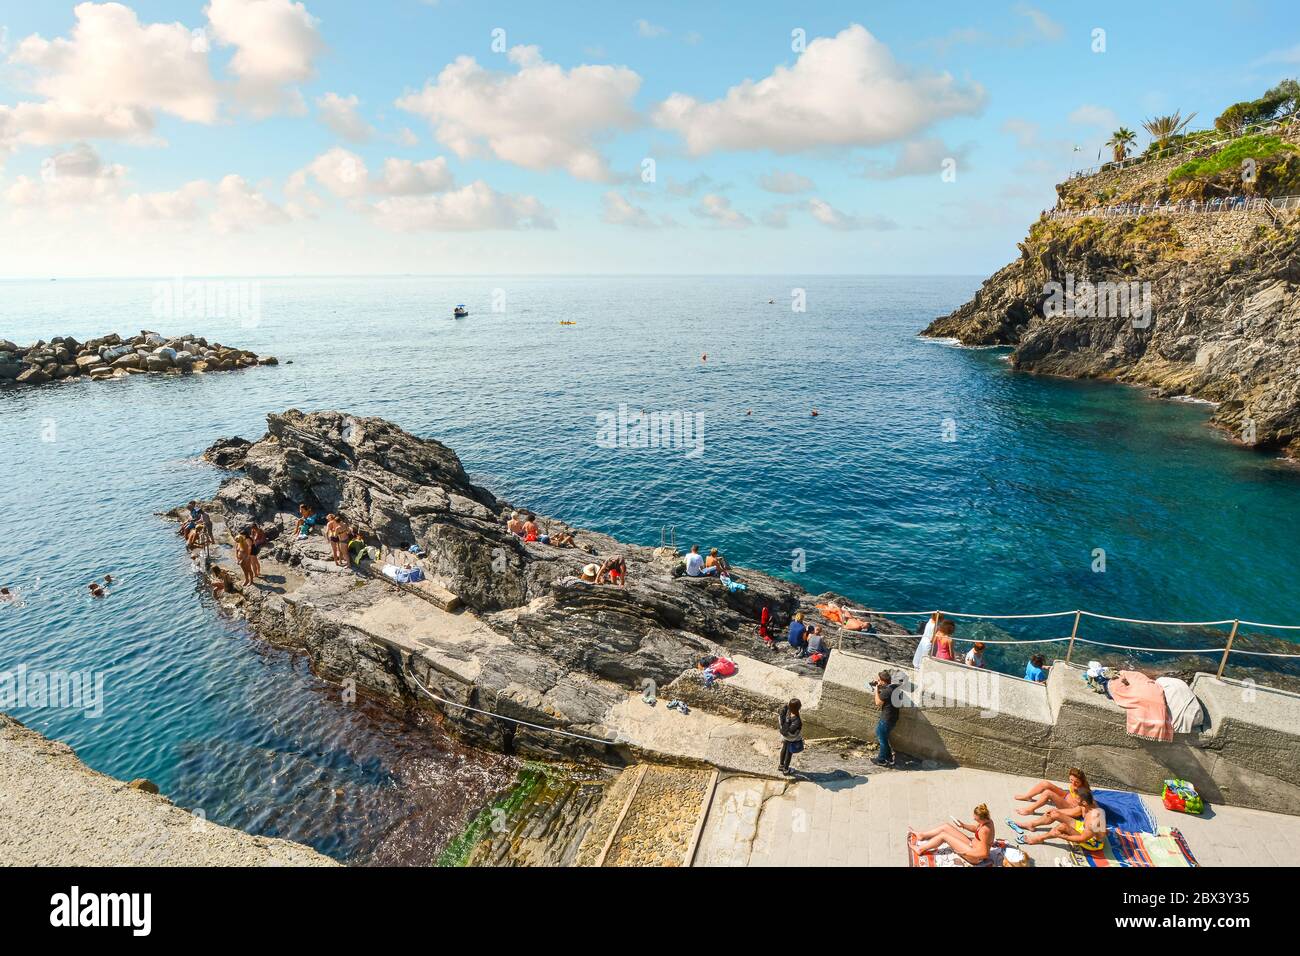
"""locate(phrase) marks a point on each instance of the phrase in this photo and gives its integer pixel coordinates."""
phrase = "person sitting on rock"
(308, 520)
(819, 649)
(356, 548)
(590, 572)
(515, 525)
(613, 571)
(531, 531)
(198, 529)
(223, 582)
(975, 656)
(695, 564)
(717, 562)
(798, 635)
(563, 539)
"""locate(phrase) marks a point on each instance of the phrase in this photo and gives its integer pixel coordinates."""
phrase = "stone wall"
(1246, 755)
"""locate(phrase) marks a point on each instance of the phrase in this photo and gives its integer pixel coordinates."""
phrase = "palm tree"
(1165, 128)
(1119, 141)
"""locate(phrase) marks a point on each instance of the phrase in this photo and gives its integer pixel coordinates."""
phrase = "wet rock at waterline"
(113, 357)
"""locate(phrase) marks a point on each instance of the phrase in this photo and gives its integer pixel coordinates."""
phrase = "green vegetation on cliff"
(1125, 243)
(1260, 148)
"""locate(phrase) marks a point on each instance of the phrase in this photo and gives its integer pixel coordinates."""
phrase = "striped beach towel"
(1165, 847)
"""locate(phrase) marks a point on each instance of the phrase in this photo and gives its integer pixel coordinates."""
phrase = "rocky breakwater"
(504, 626)
(113, 356)
(1188, 304)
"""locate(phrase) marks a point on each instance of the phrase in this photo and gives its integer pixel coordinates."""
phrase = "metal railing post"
(1228, 650)
(1069, 652)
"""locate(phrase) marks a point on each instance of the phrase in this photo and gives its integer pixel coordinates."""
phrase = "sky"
(272, 137)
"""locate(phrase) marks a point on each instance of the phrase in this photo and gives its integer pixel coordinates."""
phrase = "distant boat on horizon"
(459, 312)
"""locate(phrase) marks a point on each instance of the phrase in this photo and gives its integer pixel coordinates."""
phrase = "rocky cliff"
(1185, 301)
(532, 640)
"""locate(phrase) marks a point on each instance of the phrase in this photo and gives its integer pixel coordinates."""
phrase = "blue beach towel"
(1125, 811)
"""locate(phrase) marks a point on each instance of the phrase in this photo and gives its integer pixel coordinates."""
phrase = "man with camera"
(886, 699)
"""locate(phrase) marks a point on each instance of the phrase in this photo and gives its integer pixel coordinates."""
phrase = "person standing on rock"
(335, 534)
(244, 557)
(791, 734)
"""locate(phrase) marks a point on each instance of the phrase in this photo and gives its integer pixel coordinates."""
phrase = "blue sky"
(251, 136)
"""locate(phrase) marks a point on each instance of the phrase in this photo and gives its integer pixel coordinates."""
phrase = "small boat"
(567, 322)
(460, 312)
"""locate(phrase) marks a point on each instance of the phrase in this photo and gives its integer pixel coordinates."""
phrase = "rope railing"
(1074, 637)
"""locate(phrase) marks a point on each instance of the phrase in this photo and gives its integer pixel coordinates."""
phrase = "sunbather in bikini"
(1089, 832)
(1045, 792)
(973, 841)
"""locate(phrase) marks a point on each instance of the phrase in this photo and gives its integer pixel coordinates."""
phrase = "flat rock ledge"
(56, 811)
(501, 628)
(111, 357)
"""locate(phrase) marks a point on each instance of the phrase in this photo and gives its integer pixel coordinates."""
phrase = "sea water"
(931, 476)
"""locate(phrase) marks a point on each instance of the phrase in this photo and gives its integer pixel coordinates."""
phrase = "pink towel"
(1144, 699)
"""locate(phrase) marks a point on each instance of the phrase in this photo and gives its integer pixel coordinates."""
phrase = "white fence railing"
(1226, 204)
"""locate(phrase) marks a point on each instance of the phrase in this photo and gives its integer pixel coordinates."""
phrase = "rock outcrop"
(112, 356)
(534, 641)
(1190, 304)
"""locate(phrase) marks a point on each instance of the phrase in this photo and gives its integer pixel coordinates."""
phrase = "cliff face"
(1197, 304)
(532, 640)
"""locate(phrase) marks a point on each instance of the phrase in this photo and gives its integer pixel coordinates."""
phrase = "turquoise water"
(1005, 518)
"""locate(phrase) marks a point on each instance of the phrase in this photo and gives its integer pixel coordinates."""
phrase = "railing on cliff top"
(1228, 204)
(1276, 124)
(1074, 637)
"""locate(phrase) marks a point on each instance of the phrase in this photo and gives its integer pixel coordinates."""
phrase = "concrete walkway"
(846, 820)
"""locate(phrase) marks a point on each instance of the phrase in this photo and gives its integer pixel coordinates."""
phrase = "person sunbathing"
(515, 525)
(1045, 792)
(973, 841)
(590, 572)
(1088, 833)
(563, 539)
(695, 567)
(531, 531)
(718, 562)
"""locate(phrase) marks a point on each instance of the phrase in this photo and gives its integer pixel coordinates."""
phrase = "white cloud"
(787, 183)
(402, 177)
(345, 174)
(648, 30)
(177, 205)
(618, 211)
(473, 207)
(718, 209)
(108, 79)
(75, 177)
(832, 218)
(1089, 115)
(276, 44)
(240, 207)
(846, 90)
(922, 157)
(405, 137)
(340, 114)
(540, 117)
(1044, 26)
